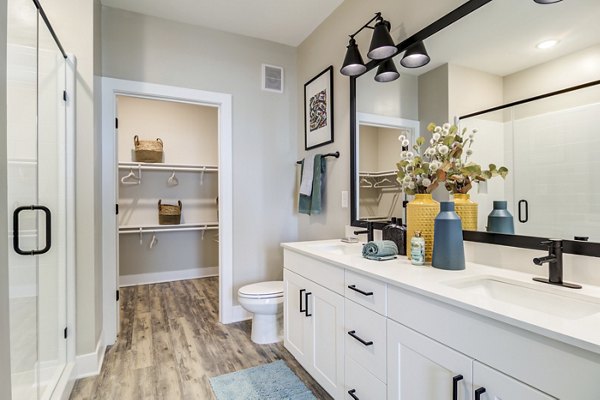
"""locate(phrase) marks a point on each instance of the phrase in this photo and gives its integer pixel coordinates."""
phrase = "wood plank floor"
(171, 343)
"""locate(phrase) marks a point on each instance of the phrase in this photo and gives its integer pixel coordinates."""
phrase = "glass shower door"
(36, 200)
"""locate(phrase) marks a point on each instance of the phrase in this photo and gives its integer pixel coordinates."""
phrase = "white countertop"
(432, 282)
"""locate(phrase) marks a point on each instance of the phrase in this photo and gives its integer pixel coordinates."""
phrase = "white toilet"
(265, 301)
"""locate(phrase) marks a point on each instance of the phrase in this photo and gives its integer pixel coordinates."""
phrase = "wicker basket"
(169, 214)
(150, 151)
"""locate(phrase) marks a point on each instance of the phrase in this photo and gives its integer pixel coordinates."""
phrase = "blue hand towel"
(312, 204)
(379, 250)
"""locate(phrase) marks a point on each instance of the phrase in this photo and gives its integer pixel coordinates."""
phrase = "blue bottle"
(448, 247)
(500, 219)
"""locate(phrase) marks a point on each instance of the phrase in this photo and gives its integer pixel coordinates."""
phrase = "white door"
(490, 384)
(296, 323)
(421, 368)
(326, 314)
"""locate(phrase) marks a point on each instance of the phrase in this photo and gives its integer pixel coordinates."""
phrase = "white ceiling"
(283, 21)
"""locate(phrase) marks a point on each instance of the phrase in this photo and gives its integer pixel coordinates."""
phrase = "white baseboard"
(239, 314)
(91, 363)
(168, 276)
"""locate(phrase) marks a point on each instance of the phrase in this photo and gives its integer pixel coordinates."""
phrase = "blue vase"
(500, 219)
(448, 247)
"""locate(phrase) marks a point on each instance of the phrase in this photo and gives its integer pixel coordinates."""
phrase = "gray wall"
(4, 318)
(142, 48)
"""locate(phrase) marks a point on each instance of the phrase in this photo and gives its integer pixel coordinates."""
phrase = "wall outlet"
(344, 199)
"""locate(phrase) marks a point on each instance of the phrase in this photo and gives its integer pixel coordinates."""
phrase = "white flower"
(401, 138)
(403, 155)
(469, 152)
(446, 126)
(426, 182)
(411, 185)
(437, 129)
(436, 136)
(409, 155)
(407, 179)
(419, 179)
(432, 142)
(405, 143)
(433, 167)
(443, 149)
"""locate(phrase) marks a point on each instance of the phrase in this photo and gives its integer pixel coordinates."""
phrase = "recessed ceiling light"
(546, 44)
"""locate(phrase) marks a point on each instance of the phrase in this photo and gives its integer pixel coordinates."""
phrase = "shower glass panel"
(36, 177)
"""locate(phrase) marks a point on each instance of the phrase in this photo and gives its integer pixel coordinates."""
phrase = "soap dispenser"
(396, 232)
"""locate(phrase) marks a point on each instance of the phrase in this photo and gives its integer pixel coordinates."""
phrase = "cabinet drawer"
(362, 384)
(369, 292)
(366, 338)
(324, 274)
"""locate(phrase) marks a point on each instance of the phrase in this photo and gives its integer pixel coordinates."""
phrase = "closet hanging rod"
(143, 230)
(336, 155)
(136, 228)
(170, 167)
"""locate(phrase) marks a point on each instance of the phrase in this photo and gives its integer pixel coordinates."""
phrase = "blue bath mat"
(274, 381)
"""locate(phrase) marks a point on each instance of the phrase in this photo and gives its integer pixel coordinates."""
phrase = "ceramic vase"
(420, 216)
(466, 210)
(500, 219)
(448, 247)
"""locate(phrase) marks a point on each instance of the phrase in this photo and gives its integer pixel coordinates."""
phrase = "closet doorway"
(192, 176)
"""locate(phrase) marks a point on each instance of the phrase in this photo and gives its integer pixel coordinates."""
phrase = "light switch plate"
(344, 199)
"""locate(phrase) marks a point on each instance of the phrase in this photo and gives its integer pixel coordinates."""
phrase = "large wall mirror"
(526, 76)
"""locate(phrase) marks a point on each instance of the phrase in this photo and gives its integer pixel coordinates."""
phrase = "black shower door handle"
(523, 216)
(16, 244)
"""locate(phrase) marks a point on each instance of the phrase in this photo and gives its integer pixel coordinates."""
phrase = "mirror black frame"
(519, 241)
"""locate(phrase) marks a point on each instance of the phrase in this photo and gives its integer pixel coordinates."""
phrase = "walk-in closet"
(184, 178)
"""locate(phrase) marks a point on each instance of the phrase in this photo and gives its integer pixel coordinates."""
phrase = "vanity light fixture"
(546, 44)
(387, 72)
(415, 56)
(382, 47)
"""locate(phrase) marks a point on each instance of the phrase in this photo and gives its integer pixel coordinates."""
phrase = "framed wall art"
(318, 110)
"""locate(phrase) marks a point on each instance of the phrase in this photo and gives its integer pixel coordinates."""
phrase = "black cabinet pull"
(353, 287)
(351, 393)
(455, 381)
(306, 304)
(301, 293)
(525, 218)
(353, 334)
(16, 244)
(479, 392)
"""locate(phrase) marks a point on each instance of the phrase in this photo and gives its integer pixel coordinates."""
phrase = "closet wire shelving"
(137, 180)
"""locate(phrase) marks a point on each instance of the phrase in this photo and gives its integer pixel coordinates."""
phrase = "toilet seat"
(262, 290)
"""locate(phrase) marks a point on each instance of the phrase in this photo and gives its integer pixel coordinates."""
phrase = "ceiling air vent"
(272, 78)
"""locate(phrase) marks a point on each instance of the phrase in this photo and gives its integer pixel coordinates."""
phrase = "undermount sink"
(338, 248)
(530, 296)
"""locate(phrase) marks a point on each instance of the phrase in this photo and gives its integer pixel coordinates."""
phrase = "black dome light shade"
(387, 72)
(415, 56)
(353, 62)
(547, 1)
(382, 44)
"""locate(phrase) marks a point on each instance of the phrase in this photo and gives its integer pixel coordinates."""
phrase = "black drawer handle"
(353, 334)
(306, 304)
(455, 381)
(16, 244)
(526, 217)
(479, 392)
(351, 393)
(301, 293)
(353, 287)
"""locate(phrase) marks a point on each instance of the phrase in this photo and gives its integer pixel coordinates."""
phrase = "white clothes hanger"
(131, 178)
(380, 184)
(154, 241)
(202, 175)
(172, 181)
(365, 183)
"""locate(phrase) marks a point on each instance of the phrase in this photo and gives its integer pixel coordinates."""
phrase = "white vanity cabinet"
(313, 329)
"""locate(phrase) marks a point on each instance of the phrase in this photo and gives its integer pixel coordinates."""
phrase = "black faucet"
(555, 264)
(369, 231)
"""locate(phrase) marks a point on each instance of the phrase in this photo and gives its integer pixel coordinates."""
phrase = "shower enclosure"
(40, 204)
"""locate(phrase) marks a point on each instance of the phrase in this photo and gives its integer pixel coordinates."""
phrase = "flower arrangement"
(445, 160)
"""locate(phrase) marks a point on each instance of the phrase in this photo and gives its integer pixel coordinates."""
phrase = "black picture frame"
(318, 93)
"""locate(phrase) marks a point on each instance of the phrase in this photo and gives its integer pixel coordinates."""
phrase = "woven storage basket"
(150, 151)
(169, 214)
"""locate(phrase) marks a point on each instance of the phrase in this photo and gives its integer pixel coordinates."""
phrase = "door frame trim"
(112, 87)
